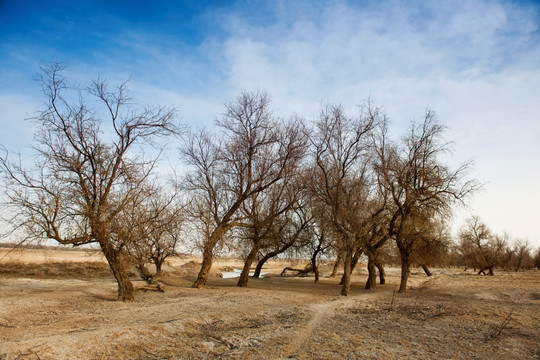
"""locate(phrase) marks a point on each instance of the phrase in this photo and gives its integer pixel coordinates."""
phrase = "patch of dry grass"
(56, 270)
(43, 314)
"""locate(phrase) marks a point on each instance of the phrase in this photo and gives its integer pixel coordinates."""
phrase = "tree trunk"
(259, 266)
(314, 265)
(204, 272)
(342, 280)
(208, 255)
(372, 275)
(270, 255)
(347, 270)
(336, 265)
(114, 258)
(405, 268)
(244, 276)
(382, 274)
(263, 261)
(426, 270)
(158, 264)
(354, 261)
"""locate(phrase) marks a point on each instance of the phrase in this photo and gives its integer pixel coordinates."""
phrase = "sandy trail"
(301, 338)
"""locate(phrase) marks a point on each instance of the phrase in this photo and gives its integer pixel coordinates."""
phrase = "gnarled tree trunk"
(260, 264)
(146, 275)
(316, 252)
(336, 265)
(372, 275)
(347, 271)
(116, 263)
(204, 272)
(244, 276)
(208, 256)
(268, 256)
(405, 270)
(354, 261)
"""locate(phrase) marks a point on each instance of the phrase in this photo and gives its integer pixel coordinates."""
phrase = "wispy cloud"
(476, 63)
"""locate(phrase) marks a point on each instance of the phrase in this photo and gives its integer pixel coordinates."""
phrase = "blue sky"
(476, 63)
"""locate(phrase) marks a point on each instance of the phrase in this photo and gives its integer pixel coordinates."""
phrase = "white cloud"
(476, 63)
(472, 62)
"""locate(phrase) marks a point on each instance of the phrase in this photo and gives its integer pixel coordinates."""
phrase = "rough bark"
(206, 265)
(208, 256)
(347, 271)
(244, 276)
(336, 265)
(353, 263)
(372, 275)
(405, 270)
(116, 263)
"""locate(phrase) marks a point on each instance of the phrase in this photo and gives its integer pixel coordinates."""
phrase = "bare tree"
(483, 248)
(262, 213)
(375, 238)
(82, 180)
(521, 255)
(288, 233)
(321, 237)
(254, 151)
(433, 248)
(340, 153)
(153, 226)
(421, 186)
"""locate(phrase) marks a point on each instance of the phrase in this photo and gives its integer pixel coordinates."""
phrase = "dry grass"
(55, 270)
(454, 315)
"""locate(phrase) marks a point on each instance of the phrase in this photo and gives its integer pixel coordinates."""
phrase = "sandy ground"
(451, 315)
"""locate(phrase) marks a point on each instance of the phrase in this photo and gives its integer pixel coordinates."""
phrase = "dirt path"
(320, 312)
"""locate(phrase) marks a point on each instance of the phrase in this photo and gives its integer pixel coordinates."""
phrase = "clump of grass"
(213, 330)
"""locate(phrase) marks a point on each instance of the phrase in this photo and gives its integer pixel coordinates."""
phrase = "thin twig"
(499, 328)
(391, 307)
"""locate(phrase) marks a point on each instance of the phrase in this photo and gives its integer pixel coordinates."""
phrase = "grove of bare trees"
(481, 249)
(256, 185)
(255, 151)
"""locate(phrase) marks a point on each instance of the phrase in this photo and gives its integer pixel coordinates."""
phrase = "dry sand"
(451, 315)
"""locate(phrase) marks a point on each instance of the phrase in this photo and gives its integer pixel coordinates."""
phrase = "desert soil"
(51, 309)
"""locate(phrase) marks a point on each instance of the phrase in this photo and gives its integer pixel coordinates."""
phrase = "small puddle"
(236, 273)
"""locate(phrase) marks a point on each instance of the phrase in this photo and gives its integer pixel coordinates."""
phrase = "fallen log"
(300, 272)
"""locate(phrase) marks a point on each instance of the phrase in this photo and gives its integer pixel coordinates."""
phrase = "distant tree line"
(481, 249)
(257, 185)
